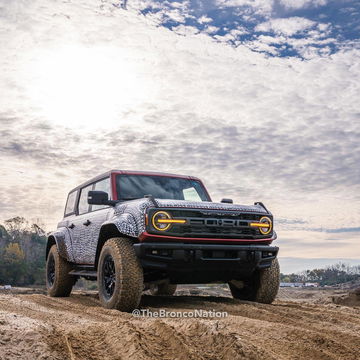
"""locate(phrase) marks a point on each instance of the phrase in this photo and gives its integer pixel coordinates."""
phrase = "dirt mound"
(350, 299)
(36, 326)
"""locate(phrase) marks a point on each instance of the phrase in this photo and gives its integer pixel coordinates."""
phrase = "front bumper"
(194, 263)
(145, 237)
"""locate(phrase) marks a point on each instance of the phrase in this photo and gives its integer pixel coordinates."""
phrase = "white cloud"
(286, 26)
(263, 7)
(204, 19)
(282, 131)
(185, 30)
(211, 29)
(176, 15)
(299, 4)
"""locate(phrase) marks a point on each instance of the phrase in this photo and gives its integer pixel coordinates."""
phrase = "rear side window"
(84, 207)
(70, 204)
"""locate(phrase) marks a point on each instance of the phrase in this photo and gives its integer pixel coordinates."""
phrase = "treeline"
(22, 253)
(22, 259)
(330, 275)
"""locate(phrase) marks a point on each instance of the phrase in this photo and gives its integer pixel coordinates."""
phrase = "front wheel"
(262, 287)
(120, 275)
(58, 281)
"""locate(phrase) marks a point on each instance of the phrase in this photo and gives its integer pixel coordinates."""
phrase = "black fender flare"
(119, 226)
(60, 238)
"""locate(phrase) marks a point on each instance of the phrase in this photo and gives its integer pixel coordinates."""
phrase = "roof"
(131, 172)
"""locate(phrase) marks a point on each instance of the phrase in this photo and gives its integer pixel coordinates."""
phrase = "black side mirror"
(99, 198)
(227, 201)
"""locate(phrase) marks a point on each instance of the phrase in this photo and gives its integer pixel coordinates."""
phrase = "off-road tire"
(62, 283)
(262, 287)
(128, 280)
(163, 289)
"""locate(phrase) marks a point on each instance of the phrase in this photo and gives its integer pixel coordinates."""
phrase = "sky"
(260, 99)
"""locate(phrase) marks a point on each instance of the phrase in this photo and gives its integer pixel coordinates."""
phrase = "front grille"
(215, 213)
(206, 231)
(213, 224)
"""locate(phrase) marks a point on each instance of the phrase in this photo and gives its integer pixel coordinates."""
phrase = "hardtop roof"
(132, 172)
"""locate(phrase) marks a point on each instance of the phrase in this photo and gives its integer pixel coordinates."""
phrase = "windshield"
(130, 187)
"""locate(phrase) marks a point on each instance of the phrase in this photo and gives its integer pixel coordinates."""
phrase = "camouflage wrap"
(129, 217)
(79, 243)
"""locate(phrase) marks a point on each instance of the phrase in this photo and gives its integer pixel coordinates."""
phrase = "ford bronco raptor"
(136, 231)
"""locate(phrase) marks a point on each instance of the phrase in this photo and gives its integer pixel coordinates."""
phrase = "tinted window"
(83, 201)
(162, 187)
(70, 204)
(102, 185)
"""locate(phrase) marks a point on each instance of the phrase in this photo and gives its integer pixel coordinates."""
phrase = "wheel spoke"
(109, 276)
(51, 270)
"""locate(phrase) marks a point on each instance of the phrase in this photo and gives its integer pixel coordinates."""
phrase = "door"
(87, 224)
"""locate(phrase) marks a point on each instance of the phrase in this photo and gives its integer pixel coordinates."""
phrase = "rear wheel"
(58, 280)
(120, 275)
(262, 287)
(163, 289)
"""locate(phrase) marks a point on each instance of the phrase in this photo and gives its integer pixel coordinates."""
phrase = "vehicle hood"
(209, 206)
(140, 205)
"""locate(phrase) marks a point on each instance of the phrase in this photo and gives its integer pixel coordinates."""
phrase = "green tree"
(13, 267)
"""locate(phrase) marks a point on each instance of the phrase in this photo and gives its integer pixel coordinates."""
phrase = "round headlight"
(266, 229)
(161, 215)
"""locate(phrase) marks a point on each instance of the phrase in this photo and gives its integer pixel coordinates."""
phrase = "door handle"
(87, 223)
(71, 226)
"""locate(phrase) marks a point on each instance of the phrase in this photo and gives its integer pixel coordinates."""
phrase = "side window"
(102, 185)
(84, 207)
(70, 203)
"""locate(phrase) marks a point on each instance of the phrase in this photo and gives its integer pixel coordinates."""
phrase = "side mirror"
(99, 198)
(227, 201)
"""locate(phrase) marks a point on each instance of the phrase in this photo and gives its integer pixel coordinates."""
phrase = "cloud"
(204, 19)
(335, 25)
(336, 231)
(263, 7)
(286, 26)
(278, 130)
(299, 4)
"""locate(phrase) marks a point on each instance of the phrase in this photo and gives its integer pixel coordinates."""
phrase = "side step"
(88, 274)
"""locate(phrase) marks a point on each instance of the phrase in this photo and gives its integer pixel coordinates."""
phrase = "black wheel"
(120, 275)
(163, 289)
(262, 287)
(109, 276)
(58, 280)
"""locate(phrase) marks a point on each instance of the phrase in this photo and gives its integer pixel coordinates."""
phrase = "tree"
(16, 227)
(13, 267)
(22, 252)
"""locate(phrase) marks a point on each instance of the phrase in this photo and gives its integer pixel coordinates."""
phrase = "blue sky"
(266, 110)
(301, 28)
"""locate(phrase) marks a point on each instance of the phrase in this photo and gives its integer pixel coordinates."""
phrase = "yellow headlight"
(162, 221)
(267, 225)
(264, 225)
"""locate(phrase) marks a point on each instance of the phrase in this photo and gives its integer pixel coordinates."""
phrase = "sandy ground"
(301, 324)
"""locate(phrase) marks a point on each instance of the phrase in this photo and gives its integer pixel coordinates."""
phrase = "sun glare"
(87, 87)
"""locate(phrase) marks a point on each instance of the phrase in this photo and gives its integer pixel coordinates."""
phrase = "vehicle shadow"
(184, 301)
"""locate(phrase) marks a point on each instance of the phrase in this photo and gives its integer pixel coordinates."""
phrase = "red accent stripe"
(113, 186)
(145, 236)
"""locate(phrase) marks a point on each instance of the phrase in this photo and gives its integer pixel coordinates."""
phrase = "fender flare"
(121, 225)
(60, 238)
